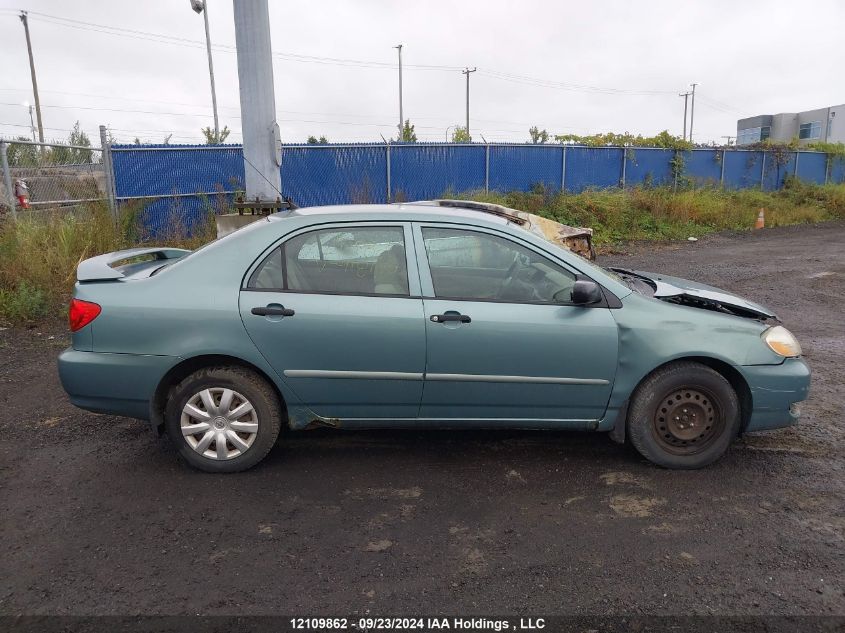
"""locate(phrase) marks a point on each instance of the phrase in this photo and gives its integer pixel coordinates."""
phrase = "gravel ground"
(100, 517)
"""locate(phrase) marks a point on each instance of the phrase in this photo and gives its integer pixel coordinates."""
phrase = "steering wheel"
(510, 277)
(509, 274)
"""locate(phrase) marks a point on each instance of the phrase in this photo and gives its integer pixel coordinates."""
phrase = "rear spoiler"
(100, 268)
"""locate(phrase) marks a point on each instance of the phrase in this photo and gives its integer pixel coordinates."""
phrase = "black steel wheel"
(684, 415)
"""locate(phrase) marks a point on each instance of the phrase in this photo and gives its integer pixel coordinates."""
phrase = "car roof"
(422, 210)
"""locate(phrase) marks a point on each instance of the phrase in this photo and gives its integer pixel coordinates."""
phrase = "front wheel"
(223, 419)
(684, 415)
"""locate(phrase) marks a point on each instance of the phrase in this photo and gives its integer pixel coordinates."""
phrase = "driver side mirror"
(585, 292)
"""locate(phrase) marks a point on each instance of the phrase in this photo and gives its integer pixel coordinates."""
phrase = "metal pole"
(467, 72)
(23, 17)
(797, 154)
(32, 125)
(7, 177)
(387, 156)
(401, 136)
(722, 174)
(108, 169)
(211, 71)
(486, 167)
(692, 112)
(563, 171)
(261, 145)
(685, 95)
(763, 170)
(624, 165)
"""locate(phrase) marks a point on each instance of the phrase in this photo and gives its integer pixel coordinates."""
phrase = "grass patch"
(39, 252)
(658, 213)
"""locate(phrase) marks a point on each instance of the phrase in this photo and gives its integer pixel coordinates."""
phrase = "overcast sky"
(567, 66)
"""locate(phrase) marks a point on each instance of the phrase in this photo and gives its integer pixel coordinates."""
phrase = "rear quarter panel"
(188, 309)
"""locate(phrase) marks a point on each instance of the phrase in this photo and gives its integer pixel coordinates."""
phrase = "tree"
(538, 137)
(210, 137)
(461, 135)
(313, 140)
(664, 139)
(22, 155)
(408, 133)
(60, 155)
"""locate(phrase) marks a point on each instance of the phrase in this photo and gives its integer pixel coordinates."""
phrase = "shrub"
(24, 304)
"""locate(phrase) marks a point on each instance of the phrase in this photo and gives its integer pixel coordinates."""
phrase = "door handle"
(450, 316)
(280, 311)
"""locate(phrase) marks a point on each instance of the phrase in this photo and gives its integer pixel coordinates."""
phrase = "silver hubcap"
(219, 423)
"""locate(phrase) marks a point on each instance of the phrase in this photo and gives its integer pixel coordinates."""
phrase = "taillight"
(81, 313)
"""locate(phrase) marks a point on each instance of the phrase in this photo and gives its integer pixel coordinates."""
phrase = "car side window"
(355, 260)
(480, 266)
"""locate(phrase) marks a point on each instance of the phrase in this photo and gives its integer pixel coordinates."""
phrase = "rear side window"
(356, 260)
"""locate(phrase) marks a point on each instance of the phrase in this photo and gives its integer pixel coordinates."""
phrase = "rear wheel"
(223, 419)
(684, 415)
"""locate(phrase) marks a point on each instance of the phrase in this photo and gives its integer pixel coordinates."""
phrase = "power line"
(337, 61)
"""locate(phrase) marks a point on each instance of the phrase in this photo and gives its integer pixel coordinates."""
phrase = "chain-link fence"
(39, 175)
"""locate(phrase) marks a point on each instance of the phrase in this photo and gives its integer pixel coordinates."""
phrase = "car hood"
(691, 293)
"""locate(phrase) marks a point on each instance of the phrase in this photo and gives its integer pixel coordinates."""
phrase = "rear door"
(335, 312)
(503, 343)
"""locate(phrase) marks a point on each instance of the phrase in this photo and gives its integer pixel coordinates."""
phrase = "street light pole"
(692, 112)
(201, 6)
(466, 71)
(28, 105)
(25, 21)
(401, 116)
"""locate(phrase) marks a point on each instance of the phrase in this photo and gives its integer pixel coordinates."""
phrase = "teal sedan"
(424, 315)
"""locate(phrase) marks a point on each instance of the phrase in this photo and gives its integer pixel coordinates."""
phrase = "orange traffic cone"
(761, 219)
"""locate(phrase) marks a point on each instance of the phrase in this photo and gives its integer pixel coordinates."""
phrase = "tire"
(684, 415)
(248, 422)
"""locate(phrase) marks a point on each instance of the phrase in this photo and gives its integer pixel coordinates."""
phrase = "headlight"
(781, 341)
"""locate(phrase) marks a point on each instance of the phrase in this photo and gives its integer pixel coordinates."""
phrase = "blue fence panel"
(357, 173)
(812, 167)
(177, 216)
(743, 169)
(777, 169)
(837, 170)
(520, 167)
(703, 166)
(175, 169)
(325, 174)
(423, 172)
(645, 165)
(593, 167)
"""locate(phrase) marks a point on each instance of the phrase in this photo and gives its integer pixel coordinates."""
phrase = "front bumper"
(775, 392)
(118, 384)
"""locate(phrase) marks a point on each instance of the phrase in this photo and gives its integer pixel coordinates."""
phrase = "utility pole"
(201, 6)
(685, 95)
(466, 71)
(400, 138)
(23, 17)
(262, 145)
(730, 138)
(31, 121)
(692, 112)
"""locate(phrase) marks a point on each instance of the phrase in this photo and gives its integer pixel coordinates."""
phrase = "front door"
(503, 344)
(334, 312)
